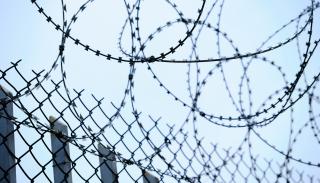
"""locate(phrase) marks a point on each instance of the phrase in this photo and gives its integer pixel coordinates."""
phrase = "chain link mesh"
(136, 147)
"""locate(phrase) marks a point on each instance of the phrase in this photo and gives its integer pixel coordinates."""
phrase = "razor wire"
(143, 143)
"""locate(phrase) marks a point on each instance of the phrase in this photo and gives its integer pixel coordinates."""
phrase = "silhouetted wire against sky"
(189, 91)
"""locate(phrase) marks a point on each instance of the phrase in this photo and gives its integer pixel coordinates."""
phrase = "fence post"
(108, 166)
(7, 149)
(149, 178)
(60, 152)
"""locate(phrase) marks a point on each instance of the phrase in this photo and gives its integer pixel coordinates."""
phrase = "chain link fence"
(51, 133)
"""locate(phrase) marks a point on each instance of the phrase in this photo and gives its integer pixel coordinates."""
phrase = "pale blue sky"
(26, 35)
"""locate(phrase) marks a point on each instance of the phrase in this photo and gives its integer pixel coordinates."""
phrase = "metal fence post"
(60, 152)
(149, 178)
(108, 164)
(7, 149)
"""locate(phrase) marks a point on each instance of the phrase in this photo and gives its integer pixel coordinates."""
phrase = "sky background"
(26, 35)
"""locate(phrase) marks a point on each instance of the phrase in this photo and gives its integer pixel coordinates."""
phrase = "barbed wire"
(140, 143)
